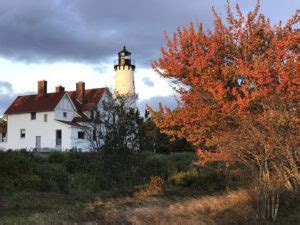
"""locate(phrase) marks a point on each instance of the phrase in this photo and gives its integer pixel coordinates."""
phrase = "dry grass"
(154, 210)
(224, 209)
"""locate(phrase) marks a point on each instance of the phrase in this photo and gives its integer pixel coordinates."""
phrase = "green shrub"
(53, 177)
(182, 161)
(157, 165)
(6, 184)
(213, 177)
(58, 171)
(58, 157)
(77, 162)
(28, 183)
(94, 167)
(83, 182)
(14, 164)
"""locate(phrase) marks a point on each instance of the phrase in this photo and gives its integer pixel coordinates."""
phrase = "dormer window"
(65, 114)
(33, 116)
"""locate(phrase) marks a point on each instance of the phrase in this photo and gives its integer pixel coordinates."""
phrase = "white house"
(47, 121)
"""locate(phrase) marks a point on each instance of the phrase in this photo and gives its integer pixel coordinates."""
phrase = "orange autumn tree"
(229, 71)
(238, 91)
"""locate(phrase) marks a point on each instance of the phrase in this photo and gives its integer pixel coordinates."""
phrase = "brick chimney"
(42, 87)
(59, 89)
(80, 91)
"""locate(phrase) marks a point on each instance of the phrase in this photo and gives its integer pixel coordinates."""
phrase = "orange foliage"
(230, 71)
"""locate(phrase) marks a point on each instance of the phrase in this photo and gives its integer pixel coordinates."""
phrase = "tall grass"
(230, 208)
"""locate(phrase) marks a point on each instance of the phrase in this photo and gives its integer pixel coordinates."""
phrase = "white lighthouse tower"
(124, 77)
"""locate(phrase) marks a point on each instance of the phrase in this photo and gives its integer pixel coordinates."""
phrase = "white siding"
(82, 144)
(34, 128)
(64, 105)
(38, 127)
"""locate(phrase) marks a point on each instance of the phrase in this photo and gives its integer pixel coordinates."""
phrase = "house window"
(3, 139)
(58, 138)
(94, 135)
(65, 114)
(33, 115)
(80, 135)
(45, 117)
(22, 133)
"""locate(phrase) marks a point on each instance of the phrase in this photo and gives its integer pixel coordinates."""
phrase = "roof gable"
(60, 104)
(92, 98)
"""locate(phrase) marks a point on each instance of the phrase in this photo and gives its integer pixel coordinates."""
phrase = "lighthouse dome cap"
(125, 51)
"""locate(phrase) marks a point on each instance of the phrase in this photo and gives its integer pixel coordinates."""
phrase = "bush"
(182, 161)
(94, 167)
(28, 183)
(53, 177)
(82, 182)
(6, 184)
(15, 164)
(120, 169)
(57, 157)
(60, 171)
(211, 178)
(157, 165)
(17, 171)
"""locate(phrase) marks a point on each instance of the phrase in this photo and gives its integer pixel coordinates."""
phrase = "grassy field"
(170, 207)
(78, 189)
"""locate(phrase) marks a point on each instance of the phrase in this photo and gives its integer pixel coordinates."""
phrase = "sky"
(66, 41)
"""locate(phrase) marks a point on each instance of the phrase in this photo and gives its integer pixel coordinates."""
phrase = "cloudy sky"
(65, 41)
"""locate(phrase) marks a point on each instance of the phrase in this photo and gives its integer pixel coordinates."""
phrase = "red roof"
(48, 102)
(35, 103)
(92, 97)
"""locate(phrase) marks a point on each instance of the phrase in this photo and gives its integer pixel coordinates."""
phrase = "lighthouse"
(124, 74)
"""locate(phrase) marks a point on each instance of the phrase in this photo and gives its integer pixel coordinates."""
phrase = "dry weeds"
(209, 210)
(231, 208)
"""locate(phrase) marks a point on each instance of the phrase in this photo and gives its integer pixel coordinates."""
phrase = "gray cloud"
(154, 102)
(147, 81)
(93, 31)
(6, 96)
(5, 88)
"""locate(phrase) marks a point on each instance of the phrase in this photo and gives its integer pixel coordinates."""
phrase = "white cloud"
(22, 78)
